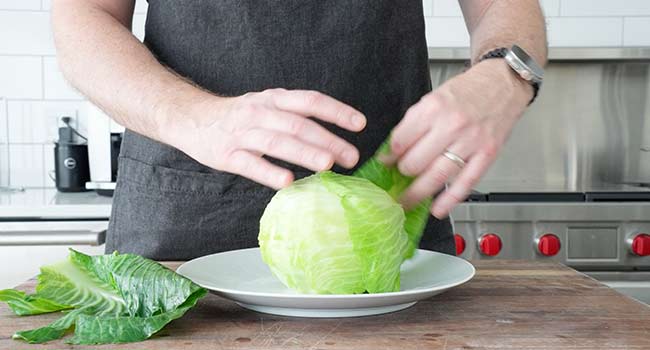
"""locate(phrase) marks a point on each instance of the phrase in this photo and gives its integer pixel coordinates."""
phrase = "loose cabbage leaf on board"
(392, 181)
(114, 298)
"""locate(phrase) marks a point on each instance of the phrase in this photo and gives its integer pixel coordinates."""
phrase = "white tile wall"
(20, 4)
(3, 122)
(55, 87)
(570, 22)
(569, 31)
(4, 148)
(637, 31)
(141, 6)
(26, 165)
(455, 32)
(551, 7)
(428, 8)
(24, 115)
(48, 165)
(138, 25)
(33, 92)
(4, 165)
(25, 33)
(605, 8)
(21, 77)
(22, 119)
(446, 8)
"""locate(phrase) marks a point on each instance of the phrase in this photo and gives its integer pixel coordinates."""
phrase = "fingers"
(259, 170)
(387, 158)
(432, 180)
(461, 186)
(318, 105)
(422, 154)
(285, 147)
(413, 126)
(311, 132)
(444, 130)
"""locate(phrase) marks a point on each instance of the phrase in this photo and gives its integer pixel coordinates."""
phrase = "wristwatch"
(522, 63)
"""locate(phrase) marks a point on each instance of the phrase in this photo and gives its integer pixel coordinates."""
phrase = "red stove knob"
(460, 244)
(490, 244)
(641, 244)
(548, 244)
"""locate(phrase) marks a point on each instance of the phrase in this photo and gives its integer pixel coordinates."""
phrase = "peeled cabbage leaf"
(392, 181)
(336, 234)
(23, 304)
(114, 298)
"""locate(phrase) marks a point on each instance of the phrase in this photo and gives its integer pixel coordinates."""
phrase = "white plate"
(243, 277)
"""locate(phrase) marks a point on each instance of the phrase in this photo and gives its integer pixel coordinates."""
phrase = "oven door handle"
(91, 233)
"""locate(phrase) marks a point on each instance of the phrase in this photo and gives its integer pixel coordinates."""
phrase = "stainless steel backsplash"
(589, 129)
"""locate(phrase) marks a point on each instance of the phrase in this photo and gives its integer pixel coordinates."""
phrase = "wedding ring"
(454, 158)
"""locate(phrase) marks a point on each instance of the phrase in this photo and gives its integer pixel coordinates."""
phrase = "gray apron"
(370, 54)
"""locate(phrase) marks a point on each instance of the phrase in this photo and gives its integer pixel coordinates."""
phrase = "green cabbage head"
(336, 234)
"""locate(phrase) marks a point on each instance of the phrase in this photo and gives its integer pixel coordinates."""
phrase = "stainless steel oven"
(608, 241)
(572, 184)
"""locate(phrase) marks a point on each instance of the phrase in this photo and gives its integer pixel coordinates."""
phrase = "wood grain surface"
(508, 305)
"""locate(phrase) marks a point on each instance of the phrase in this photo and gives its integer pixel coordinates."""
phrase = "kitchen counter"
(508, 305)
(49, 203)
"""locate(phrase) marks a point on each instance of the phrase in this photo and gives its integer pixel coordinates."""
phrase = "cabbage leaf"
(113, 298)
(392, 181)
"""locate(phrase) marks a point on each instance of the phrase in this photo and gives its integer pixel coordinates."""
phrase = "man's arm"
(498, 23)
(101, 58)
(472, 114)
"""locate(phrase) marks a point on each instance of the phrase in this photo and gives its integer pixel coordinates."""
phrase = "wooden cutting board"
(508, 305)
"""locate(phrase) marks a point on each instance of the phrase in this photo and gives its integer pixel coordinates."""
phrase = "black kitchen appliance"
(70, 160)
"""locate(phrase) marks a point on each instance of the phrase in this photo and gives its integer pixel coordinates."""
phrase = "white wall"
(572, 23)
(33, 94)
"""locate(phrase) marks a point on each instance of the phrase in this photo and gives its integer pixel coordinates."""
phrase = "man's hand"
(471, 116)
(232, 134)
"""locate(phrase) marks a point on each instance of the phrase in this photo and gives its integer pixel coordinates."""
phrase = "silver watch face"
(525, 65)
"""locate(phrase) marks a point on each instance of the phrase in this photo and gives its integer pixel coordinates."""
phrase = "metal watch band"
(501, 52)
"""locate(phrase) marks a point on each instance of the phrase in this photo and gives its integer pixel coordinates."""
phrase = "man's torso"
(370, 54)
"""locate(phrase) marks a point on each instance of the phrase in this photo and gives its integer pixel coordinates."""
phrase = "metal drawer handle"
(82, 237)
